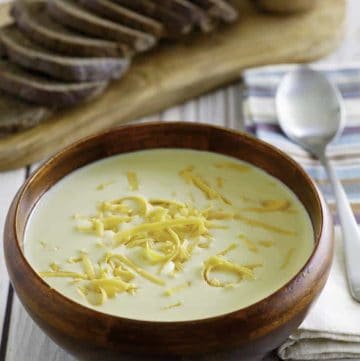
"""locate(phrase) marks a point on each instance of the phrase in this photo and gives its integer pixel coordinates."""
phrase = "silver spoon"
(311, 113)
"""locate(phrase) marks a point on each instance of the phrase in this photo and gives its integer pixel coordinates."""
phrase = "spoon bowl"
(310, 109)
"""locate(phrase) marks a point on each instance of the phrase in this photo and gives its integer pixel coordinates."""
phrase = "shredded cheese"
(167, 203)
(221, 264)
(72, 260)
(266, 244)
(126, 261)
(113, 221)
(288, 257)
(113, 207)
(124, 274)
(205, 244)
(54, 266)
(170, 291)
(64, 274)
(202, 185)
(251, 246)
(87, 266)
(174, 305)
(114, 284)
(217, 215)
(82, 292)
(141, 204)
(228, 249)
(271, 205)
(102, 186)
(133, 181)
(266, 226)
(167, 231)
(96, 296)
(219, 182)
(98, 227)
(125, 236)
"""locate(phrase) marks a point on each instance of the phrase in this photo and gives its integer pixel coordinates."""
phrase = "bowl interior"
(171, 135)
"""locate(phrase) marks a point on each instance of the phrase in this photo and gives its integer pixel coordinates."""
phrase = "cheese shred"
(219, 182)
(167, 233)
(174, 305)
(202, 185)
(133, 181)
(266, 226)
(64, 274)
(272, 205)
(218, 263)
(88, 266)
(228, 249)
(127, 262)
(287, 258)
(251, 246)
(102, 186)
(266, 244)
(170, 291)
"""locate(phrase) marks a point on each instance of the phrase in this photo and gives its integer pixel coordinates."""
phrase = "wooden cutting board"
(175, 73)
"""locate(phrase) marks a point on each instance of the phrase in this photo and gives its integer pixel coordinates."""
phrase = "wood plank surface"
(28, 342)
(9, 184)
(175, 73)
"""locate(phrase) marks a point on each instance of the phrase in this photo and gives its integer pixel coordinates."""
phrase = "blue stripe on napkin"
(261, 121)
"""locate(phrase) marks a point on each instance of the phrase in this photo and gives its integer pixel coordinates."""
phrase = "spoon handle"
(350, 231)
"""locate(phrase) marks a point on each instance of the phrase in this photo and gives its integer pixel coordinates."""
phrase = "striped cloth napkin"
(331, 331)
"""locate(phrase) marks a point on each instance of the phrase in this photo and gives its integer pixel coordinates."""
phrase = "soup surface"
(168, 234)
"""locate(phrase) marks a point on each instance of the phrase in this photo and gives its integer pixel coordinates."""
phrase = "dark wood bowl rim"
(95, 313)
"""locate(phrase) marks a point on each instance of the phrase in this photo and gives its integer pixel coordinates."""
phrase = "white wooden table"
(21, 339)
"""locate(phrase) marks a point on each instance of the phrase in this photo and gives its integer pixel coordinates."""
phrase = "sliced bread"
(194, 13)
(22, 51)
(18, 115)
(70, 13)
(122, 15)
(32, 19)
(175, 24)
(220, 9)
(44, 91)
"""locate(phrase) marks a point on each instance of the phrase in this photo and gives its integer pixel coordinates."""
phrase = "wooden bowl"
(247, 334)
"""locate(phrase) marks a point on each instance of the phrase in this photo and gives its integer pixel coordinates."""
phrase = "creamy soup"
(168, 235)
